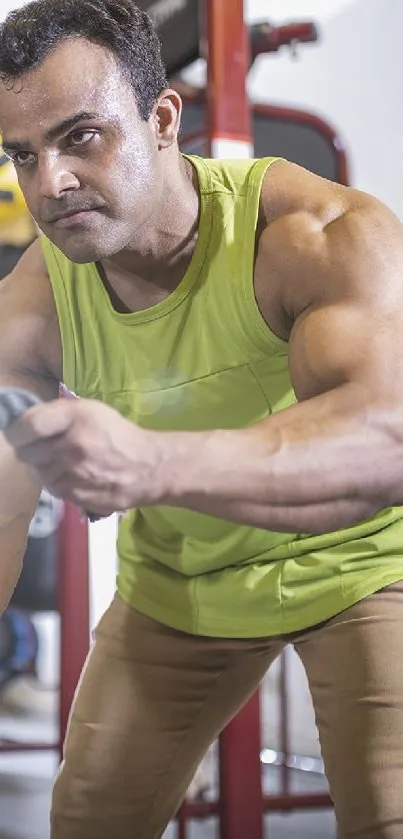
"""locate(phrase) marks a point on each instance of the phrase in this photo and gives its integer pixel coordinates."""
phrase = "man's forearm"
(318, 466)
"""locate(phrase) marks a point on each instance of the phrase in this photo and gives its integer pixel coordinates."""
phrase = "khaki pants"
(152, 699)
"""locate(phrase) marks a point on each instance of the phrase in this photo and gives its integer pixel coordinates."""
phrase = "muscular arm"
(24, 323)
(337, 456)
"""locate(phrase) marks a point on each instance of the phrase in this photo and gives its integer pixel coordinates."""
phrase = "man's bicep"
(20, 491)
(27, 318)
(19, 487)
(347, 343)
(19, 495)
(349, 323)
(23, 318)
(21, 365)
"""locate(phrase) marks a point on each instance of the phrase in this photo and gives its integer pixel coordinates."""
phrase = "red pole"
(230, 136)
(241, 798)
(73, 607)
(182, 821)
(228, 107)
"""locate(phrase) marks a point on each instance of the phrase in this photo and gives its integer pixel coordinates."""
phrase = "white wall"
(103, 566)
(352, 77)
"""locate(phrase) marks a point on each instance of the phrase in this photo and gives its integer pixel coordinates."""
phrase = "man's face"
(73, 130)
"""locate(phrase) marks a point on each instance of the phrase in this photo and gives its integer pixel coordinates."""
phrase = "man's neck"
(168, 239)
(150, 270)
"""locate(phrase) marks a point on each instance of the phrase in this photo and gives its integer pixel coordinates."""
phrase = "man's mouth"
(72, 217)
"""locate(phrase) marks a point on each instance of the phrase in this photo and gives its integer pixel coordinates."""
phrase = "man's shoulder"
(26, 290)
(322, 240)
(313, 218)
(290, 190)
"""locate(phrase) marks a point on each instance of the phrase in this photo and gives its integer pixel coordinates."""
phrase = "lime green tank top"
(202, 359)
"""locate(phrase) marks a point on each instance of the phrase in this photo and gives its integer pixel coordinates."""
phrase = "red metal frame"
(271, 803)
(241, 805)
(74, 606)
(321, 127)
(228, 110)
(241, 799)
(197, 96)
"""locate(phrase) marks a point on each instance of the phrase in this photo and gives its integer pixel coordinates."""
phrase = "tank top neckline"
(194, 270)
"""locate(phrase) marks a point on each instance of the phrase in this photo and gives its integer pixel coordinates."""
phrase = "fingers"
(39, 423)
(43, 454)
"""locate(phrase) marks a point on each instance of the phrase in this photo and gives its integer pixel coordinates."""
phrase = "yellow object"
(202, 359)
(16, 224)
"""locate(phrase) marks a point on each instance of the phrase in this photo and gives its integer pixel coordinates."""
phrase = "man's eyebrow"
(13, 145)
(69, 123)
(54, 132)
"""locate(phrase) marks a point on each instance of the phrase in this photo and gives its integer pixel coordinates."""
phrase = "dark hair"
(30, 34)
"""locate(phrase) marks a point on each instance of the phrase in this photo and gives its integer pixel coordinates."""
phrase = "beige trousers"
(151, 700)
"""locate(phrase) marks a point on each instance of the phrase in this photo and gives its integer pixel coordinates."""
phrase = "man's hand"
(87, 453)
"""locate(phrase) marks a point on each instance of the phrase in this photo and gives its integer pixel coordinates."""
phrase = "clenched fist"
(87, 453)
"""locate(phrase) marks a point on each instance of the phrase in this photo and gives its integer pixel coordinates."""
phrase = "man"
(190, 304)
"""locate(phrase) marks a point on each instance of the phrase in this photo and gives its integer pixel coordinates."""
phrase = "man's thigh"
(150, 702)
(354, 665)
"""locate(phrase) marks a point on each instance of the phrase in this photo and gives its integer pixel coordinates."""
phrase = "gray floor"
(26, 780)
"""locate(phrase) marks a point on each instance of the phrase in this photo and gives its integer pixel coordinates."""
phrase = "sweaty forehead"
(77, 76)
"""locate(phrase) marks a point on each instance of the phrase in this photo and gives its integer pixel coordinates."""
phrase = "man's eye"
(79, 138)
(22, 158)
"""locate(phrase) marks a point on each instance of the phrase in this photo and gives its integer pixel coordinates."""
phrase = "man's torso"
(191, 571)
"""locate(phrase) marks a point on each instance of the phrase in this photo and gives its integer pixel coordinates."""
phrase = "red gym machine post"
(242, 804)
(228, 61)
(230, 135)
(74, 607)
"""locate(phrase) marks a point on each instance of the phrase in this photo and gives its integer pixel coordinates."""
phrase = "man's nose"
(55, 177)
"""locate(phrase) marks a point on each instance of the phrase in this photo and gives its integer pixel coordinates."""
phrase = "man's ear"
(166, 118)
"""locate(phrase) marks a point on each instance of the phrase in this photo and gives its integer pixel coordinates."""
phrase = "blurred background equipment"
(17, 229)
(18, 646)
(36, 590)
(177, 23)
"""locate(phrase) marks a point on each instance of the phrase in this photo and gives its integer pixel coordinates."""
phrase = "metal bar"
(7, 746)
(182, 820)
(327, 132)
(272, 803)
(241, 798)
(297, 801)
(201, 809)
(230, 136)
(324, 129)
(284, 727)
(73, 606)
(228, 60)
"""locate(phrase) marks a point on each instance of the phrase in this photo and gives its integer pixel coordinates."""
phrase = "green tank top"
(202, 359)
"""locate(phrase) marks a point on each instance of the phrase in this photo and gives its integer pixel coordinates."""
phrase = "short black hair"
(29, 34)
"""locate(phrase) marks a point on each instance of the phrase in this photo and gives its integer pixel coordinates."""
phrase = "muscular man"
(235, 333)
